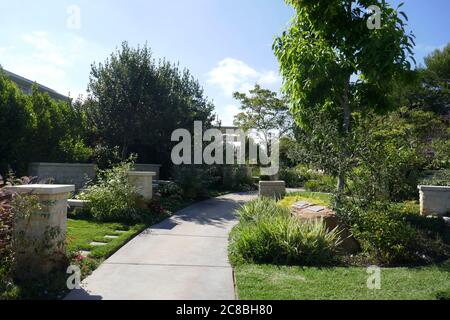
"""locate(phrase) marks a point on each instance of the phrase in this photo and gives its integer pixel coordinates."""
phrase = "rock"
(447, 220)
(308, 212)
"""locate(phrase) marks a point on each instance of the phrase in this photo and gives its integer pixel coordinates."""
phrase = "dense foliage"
(112, 198)
(326, 45)
(135, 103)
(392, 234)
(268, 234)
(38, 128)
(264, 111)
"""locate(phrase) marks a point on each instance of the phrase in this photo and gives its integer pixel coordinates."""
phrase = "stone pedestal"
(39, 239)
(143, 181)
(434, 200)
(272, 189)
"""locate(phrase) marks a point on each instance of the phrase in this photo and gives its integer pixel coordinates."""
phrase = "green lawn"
(80, 233)
(267, 282)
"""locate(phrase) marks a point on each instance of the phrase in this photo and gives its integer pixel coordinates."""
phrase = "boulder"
(309, 212)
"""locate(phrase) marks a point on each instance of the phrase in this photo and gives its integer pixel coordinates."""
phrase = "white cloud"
(5, 49)
(235, 75)
(227, 116)
(52, 61)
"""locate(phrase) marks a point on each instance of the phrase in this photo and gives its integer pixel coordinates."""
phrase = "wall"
(64, 173)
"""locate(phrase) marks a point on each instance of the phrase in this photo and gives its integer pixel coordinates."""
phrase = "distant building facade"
(26, 86)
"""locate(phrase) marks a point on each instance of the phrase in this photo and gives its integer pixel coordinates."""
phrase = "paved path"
(182, 258)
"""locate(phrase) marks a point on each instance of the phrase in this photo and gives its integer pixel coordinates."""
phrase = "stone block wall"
(63, 173)
(434, 200)
(272, 189)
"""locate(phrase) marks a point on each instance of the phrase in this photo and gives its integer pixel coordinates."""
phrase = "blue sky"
(225, 43)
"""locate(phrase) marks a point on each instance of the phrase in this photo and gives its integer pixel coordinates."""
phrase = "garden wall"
(148, 168)
(434, 200)
(63, 173)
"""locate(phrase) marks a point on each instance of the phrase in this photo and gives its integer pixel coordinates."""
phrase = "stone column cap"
(42, 188)
(142, 173)
(272, 182)
(434, 188)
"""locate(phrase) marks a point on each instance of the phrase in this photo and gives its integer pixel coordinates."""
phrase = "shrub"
(299, 176)
(112, 198)
(437, 178)
(268, 234)
(322, 184)
(292, 177)
(241, 181)
(260, 208)
(195, 181)
(106, 157)
(169, 189)
(443, 295)
(13, 206)
(6, 224)
(388, 238)
(283, 240)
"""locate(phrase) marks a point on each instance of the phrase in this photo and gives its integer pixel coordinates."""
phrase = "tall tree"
(121, 89)
(334, 65)
(264, 111)
(431, 89)
(136, 103)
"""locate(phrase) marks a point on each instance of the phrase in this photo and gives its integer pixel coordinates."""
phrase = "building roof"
(26, 85)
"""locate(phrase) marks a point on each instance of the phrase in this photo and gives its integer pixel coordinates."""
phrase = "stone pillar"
(272, 189)
(143, 181)
(434, 200)
(39, 239)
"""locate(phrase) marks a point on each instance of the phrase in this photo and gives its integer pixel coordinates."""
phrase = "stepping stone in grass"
(84, 253)
(111, 237)
(121, 231)
(98, 244)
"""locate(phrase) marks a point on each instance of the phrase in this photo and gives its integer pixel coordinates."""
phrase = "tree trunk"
(346, 128)
(124, 149)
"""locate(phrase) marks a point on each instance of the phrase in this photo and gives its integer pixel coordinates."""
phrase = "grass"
(80, 233)
(269, 282)
(317, 198)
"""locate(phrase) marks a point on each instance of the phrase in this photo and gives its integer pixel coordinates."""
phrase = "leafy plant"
(236, 178)
(112, 198)
(195, 181)
(326, 44)
(257, 209)
(389, 237)
(268, 234)
(284, 240)
(321, 184)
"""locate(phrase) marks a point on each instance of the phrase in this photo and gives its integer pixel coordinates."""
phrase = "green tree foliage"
(334, 66)
(136, 103)
(430, 88)
(264, 111)
(58, 131)
(15, 122)
(393, 151)
(38, 128)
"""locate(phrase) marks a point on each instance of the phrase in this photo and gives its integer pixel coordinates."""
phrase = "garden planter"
(39, 238)
(143, 182)
(434, 200)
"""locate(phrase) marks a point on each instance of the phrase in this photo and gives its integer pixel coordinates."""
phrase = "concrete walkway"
(182, 258)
